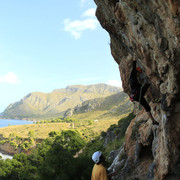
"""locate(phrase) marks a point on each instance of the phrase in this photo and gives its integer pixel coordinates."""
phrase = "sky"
(50, 44)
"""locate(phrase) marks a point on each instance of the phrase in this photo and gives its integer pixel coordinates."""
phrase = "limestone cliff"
(151, 30)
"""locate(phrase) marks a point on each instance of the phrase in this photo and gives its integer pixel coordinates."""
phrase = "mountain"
(113, 105)
(56, 103)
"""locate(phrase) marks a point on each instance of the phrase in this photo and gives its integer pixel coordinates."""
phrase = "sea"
(5, 156)
(11, 122)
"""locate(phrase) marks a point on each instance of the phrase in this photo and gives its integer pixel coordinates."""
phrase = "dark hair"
(101, 159)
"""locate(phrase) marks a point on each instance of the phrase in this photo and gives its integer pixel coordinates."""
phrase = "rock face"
(151, 31)
(7, 148)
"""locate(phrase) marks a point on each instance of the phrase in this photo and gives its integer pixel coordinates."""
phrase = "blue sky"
(47, 45)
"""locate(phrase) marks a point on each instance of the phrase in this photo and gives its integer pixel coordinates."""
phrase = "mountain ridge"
(56, 103)
(114, 105)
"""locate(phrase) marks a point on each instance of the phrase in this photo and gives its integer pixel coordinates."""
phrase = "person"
(138, 91)
(99, 172)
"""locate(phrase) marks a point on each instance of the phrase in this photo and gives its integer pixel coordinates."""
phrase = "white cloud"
(10, 78)
(90, 12)
(115, 83)
(78, 26)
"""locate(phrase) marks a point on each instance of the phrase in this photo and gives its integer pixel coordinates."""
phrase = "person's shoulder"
(99, 166)
(102, 167)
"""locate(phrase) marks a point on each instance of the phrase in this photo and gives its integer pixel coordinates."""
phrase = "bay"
(7, 122)
(10, 122)
(5, 156)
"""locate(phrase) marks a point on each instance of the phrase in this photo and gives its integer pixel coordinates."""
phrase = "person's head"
(98, 157)
(138, 70)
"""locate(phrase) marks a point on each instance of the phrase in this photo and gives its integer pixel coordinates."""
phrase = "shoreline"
(12, 122)
(19, 119)
(6, 154)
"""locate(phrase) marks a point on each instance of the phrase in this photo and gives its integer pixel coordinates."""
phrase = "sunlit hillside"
(38, 105)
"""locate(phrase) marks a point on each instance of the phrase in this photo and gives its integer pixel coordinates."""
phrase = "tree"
(57, 164)
(71, 140)
(54, 133)
(31, 134)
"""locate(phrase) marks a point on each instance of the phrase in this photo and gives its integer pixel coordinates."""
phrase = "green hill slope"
(111, 107)
(43, 105)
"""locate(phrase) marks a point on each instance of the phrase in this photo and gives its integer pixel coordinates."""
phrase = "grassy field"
(42, 130)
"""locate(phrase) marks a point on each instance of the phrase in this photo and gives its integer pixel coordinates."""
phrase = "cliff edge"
(151, 30)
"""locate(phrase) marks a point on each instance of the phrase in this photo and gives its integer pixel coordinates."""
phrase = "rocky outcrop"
(116, 104)
(9, 149)
(151, 31)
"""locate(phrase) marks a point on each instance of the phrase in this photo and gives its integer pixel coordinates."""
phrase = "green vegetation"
(119, 131)
(41, 129)
(97, 142)
(18, 142)
(74, 123)
(116, 144)
(2, 141)
(64, 154)
(53, 159)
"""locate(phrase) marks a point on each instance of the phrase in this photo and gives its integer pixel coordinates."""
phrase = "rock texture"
(7, 148)
(151, 30)
(114, 105)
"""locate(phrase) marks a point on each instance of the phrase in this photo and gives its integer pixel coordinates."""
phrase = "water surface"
(5, 156)
(10, 122)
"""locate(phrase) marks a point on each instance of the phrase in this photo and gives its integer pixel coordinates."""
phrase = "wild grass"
(116, 144)
(42, 130)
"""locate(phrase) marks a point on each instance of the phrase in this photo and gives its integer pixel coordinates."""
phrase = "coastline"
(6, 153)
(11, 122)
(23, 119)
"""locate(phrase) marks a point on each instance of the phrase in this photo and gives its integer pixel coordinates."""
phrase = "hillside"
(111, 107)
(54, 104)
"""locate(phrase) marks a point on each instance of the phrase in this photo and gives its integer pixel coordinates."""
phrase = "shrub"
(124, 123)
(54, 133)
(14, 144)
(103, 134)
(116, 144)
(26, 145)
(117, 131)
(2, 141)
(71, 140)
(31, 133)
